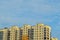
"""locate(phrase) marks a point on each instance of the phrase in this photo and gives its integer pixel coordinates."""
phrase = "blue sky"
(19, 12)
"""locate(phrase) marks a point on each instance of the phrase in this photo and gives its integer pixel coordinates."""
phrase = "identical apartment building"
(27, 32)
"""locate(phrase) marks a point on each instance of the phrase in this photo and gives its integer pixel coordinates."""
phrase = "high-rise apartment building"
(27, 32)
(54, 38)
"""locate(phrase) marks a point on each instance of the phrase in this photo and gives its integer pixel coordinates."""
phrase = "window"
(1, 35)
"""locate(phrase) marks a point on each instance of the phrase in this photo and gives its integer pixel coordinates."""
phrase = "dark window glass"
(1, 35)
(30, 34)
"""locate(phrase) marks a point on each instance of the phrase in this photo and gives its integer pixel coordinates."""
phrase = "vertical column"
(5, 34)
(47, 31)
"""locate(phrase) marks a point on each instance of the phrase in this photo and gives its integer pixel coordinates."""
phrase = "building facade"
(54, 38)
(27, 32)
